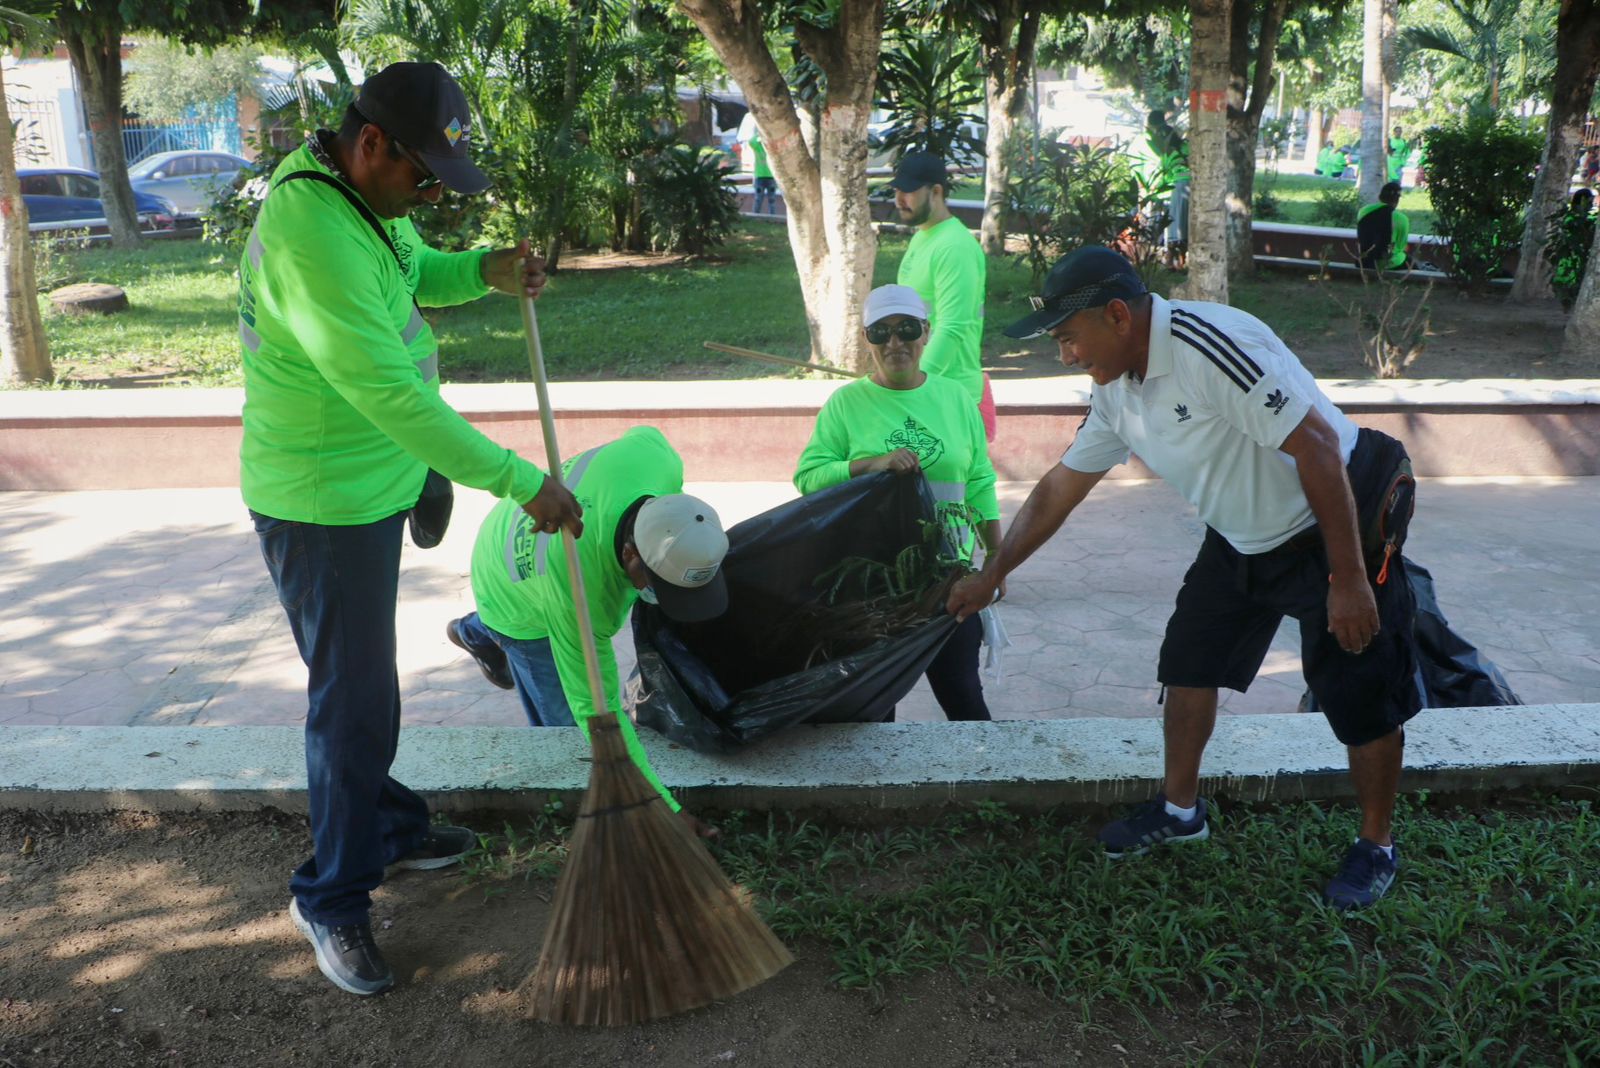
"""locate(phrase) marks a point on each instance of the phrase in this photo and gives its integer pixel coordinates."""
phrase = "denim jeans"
(339, 586)
(533, 669)
(953, 675)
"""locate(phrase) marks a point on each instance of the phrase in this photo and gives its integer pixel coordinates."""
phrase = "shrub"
(1267, 205)
(686, 199)
(1480, 176)
(1337, 206)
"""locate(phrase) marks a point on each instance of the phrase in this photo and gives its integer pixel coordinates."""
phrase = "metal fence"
(216, 131)
(38, 137)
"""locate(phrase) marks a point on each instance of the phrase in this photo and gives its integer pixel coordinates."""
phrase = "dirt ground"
(134, 940)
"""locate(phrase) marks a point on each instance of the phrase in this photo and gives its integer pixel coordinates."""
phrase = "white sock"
(1184, 814)
(1388, 850)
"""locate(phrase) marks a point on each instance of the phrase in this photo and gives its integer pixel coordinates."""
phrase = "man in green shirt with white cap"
(342, 422)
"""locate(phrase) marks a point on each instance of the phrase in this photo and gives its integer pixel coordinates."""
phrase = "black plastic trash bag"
(1451, 672)
(719, 685)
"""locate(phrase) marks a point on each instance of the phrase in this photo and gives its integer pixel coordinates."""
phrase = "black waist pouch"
(429, 518)
(1386, 496)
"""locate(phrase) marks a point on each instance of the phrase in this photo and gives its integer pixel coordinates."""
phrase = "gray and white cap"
(681, 541)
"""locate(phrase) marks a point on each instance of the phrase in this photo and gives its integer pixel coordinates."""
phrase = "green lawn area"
(1298, 195)
(649, 322)
(1483, 953)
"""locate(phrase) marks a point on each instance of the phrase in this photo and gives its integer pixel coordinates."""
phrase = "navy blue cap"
(422, 107)
(917, 169)
(1091, 276)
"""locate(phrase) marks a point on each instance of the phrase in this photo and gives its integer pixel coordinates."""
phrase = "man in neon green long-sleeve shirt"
(342, 420)
(945, 265)
(647, 538)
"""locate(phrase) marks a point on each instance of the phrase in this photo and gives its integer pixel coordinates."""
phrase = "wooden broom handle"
(552, 453)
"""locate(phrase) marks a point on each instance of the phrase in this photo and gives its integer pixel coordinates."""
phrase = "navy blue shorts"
(1232, 603)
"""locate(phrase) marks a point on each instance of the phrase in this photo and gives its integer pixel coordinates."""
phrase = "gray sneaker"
(346, 954)
(441, 846)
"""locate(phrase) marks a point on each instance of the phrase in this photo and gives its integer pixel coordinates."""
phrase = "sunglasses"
(430, 180)
(905, 330)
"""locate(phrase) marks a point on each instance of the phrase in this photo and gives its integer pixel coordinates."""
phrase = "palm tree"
(24, 351)
(1492, 39)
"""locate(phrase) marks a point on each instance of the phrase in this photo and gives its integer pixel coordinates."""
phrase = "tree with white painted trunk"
(1374, 147)
(825, 195)
(24, 351)
(1249, 86)
(1577, 68)
(1208, 150)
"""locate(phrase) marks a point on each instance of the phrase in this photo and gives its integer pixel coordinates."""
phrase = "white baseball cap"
(681, 541)
(892, 300)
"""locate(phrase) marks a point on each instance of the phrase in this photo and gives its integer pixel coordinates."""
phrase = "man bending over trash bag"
(643, 538)
(1213, 402)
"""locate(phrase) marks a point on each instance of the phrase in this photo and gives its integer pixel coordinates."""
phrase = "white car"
(190, 179)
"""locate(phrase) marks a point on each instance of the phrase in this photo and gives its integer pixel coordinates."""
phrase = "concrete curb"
(850, 767)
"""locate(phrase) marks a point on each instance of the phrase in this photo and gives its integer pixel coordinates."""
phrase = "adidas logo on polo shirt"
(1183, 413)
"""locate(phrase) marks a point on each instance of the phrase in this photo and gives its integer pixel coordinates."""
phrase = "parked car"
(68, 198)
(188, 179)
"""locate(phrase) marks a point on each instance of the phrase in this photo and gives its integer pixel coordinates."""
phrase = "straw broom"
(644, 924)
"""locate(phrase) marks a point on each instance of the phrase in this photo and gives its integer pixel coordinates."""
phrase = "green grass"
(1483, 953)
(1297, 196)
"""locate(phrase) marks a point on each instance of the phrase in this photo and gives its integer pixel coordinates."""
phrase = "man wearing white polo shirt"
(1213, 402)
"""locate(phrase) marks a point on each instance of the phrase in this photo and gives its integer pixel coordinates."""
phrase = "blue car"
(68, 198)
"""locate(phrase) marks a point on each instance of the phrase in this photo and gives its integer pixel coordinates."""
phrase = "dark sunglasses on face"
(905, 330)
(412, 158)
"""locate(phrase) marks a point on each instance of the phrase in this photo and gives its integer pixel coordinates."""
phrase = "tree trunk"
(1577, 67)
(1244, 121)
(1208, 151)
(1374, 160)
(94, 41)
(1007, 65)
(1583, 328)
(1390, 30)
(24, 351)
(829, 219)
(1313, 134)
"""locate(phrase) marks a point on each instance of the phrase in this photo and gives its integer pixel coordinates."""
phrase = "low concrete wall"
(754, 430)
(851, 769)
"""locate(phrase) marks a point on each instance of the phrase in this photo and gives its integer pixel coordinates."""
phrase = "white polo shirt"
(1220, 395)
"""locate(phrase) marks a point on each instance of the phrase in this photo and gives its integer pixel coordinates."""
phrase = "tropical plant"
(1480, 175)
(928, 87)
(168, 81)
(1502, 50)
(686, 199)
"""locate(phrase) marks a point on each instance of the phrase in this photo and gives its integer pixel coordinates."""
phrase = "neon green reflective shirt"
(945, 265)
(759, 163)
(1401, 234)
(520, 576)
(937, 421)
(342, 413)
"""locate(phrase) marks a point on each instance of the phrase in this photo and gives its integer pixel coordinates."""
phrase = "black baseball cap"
(1091, 276)
(422, 107)
(917, 169)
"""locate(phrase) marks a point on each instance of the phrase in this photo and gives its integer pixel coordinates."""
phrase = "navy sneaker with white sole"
(346, 954)
(441, 846)
(1364, 876)
(1149, 825)
(491, 661)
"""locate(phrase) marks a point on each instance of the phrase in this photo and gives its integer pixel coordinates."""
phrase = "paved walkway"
(153, 607)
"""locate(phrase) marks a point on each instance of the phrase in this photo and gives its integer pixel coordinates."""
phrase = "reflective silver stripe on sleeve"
(255, 249)
(414, 326)
(429, 366)
(251, 339)
(511, 550)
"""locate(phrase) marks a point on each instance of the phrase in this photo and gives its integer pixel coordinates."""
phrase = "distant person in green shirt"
(647, 539)
(1399, 155)
(1332, 162)
(1382, 231)
(342, 421)
(766, 186)
(903, 420)
(945, 265)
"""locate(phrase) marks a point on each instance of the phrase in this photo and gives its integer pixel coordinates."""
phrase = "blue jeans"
(338, 586)
(768, 188)
(533, 669)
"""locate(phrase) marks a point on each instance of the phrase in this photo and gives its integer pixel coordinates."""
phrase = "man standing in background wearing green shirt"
(342, 421)
(765, 184)
(647, 538)
(944, 263)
